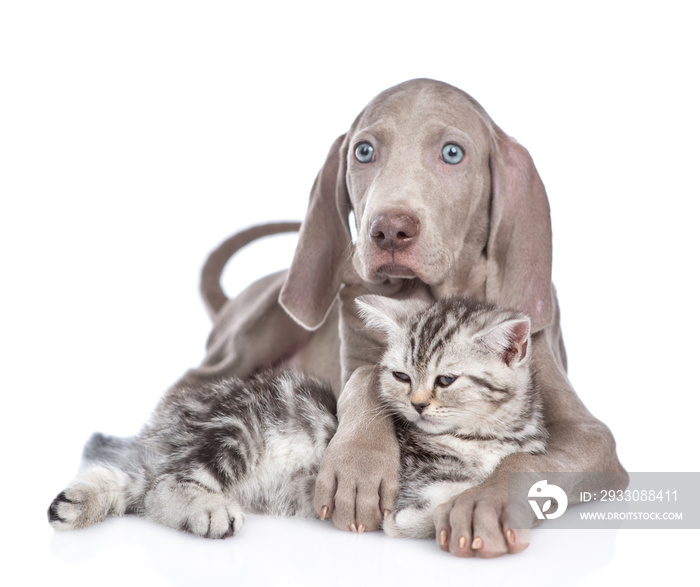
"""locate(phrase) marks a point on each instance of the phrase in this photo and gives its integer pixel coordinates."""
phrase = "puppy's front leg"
(475, 523)
(359, 476)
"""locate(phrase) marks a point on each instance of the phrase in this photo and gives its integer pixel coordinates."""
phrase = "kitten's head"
(454, 365)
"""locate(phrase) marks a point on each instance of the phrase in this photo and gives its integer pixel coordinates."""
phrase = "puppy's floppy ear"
(315, 275)
(519, 250)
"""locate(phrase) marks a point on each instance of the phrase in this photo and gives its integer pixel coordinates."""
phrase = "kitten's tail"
(210, 284)
(109, 450)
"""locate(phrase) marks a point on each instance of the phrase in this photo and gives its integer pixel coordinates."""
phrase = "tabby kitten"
(210, 452)
(455, 377)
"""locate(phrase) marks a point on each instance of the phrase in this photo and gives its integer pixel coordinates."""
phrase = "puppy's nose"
(420, 406)
(393, 231)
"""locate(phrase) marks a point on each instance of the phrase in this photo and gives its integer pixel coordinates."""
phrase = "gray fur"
(463, 430)
(214, 451)
(209, 453)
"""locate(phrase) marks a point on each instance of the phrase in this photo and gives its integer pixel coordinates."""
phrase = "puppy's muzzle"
(394, 231)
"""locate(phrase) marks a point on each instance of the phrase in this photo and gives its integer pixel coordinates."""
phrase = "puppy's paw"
(474, 523)
(358, 480)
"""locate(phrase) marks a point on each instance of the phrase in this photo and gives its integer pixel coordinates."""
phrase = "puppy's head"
(418, 181)
(439, 194)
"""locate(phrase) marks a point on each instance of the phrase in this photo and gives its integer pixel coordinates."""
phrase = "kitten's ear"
(510, 340)
(386, 314)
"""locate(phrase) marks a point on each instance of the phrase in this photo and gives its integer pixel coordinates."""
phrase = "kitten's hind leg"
(412, 516)
(410, 522)
(191, 505)
(95, 493)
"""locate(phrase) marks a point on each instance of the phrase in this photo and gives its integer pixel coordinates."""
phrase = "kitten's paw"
(61, 512)
(213, 518)
(409, 523)
(93, 495)
(194, 508)
(74, 508)
(390, 526)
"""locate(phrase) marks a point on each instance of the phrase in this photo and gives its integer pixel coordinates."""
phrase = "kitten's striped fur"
(214, 451)
(463, 398)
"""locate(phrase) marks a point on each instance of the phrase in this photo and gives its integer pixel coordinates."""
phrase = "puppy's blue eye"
(364, 153)
(401, 377)
(452, 154)
(444, 381)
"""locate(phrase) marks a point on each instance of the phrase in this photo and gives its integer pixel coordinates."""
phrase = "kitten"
(210, 452)
(455, 377)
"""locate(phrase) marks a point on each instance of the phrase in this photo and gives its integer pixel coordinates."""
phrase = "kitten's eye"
(401, 377)
(452, 154)
(364, 152)
(444, 381)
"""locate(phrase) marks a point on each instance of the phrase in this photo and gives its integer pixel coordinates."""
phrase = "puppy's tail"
(210, 285)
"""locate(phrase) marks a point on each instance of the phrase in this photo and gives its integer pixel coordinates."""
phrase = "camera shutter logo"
(542, 489)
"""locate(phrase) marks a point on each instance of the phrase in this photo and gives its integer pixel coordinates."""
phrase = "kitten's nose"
(420, 406)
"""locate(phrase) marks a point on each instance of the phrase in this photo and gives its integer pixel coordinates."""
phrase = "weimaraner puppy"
(445, 203)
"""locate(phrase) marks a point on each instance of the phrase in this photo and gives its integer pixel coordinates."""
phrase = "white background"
(136, 135)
